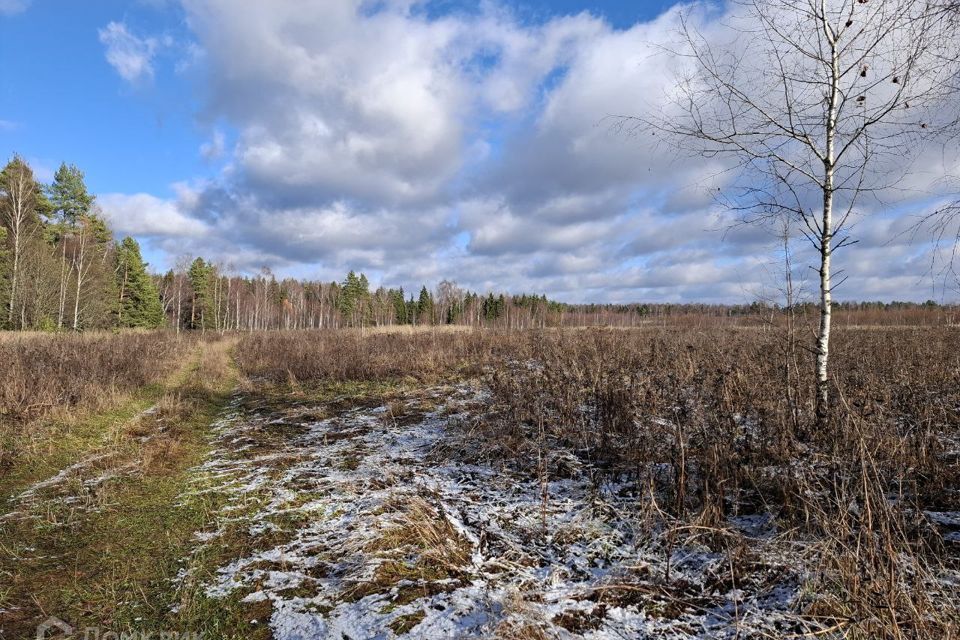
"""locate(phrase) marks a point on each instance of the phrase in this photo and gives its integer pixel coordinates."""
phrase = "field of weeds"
(646, 483)
(48, 381)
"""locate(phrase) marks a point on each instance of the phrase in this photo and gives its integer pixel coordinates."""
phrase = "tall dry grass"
(714, 423)
(342, 355)
(41, 374)
(58, 377)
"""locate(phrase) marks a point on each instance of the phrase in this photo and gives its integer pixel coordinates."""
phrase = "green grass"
(65, 443)
(112, 567)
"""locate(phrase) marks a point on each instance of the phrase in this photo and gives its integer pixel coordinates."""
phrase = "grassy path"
(93, 532)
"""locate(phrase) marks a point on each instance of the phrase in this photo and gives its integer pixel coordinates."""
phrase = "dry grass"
(310, 356)
(45, 373)
(709, 422)
(714, 423)
(48, 381)
(54, 383)
(115, 520)
(423, 547)
(410, 329)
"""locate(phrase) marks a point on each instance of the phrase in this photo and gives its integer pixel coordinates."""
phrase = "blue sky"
(66, 103)
(316, 137)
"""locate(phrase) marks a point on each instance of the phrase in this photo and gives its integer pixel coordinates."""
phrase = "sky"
(412, 140)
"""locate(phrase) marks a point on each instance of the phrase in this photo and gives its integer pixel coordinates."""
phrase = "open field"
(649, 482)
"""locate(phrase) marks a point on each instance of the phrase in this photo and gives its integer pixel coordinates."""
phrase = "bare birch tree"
(92, 246)
(19, 199)
(81, 267)
(942, 224)
(815, 105)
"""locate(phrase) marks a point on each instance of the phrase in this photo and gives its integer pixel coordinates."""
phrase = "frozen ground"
(73, 488)
(351, 522)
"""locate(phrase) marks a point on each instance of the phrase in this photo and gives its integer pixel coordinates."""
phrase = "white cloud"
(331, 103)
(131, 56)
(142, 214)
(13, 7)
(473, 146)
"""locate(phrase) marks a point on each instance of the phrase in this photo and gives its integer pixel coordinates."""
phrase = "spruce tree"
(411, 310)
(349, 295)
(354, 299)
(425, 307)
(199, 276)
(364, 310)
(399, 306)
(139, 302)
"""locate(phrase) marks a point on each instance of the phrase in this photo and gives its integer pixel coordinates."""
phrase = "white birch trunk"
(79, 262)
(826, 225)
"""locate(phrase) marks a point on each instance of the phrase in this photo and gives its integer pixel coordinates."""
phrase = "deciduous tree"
(21, 203)
(815, 105)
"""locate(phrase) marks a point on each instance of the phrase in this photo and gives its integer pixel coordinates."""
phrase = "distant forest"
(62, 269)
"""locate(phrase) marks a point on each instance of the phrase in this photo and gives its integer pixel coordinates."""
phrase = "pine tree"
(69, 197)
(70, 202)
(139, 301)
(84, 244)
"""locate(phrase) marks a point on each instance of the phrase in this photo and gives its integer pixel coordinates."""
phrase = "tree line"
(60, 267)
(200, 295)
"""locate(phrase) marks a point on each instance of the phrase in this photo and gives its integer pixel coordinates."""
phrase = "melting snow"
(321, 502)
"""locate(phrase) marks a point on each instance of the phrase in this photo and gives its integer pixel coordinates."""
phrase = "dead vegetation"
(47, 382)
(421, 549)
(45, 373)
(703, 424)
(653, 471)
(352, 355)
(713, 427)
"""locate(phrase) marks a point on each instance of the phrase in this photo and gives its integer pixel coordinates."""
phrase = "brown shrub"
(717, 422)
(347, 355)
(43, 373)
(55, 376)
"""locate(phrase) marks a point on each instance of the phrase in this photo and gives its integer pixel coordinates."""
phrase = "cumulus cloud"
(142, 214)
(130, 56)
(474, 146)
